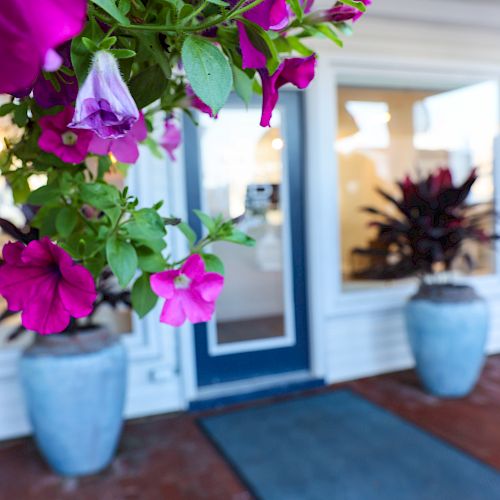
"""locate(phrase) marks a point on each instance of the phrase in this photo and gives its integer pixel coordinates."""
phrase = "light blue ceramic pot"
(75, 391)
(447, 328)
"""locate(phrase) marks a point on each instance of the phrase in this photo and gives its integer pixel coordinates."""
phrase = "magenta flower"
(297, 71)
(43, 282)
(358, 14)
(171, 139)
(104, 104)
(30, 30)
(340, 13)
(124, 149)
(189, 292)
(270, 14)
(70, 145)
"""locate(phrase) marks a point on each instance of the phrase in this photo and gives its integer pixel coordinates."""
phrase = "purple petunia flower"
(70, 145)
(189, 292)
(43, 282)
(124, 148)
(297, 71)
(104, 104)
(30, 30)
(171, 139)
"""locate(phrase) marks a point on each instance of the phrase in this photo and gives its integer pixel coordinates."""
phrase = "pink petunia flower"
(30, 30)
(70, 145)
(171, 139)
(189, 292)
(43, 282)
(296, 70)
(124, 148)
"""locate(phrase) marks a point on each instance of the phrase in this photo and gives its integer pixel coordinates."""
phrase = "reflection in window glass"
(384, 134)
(241, 178)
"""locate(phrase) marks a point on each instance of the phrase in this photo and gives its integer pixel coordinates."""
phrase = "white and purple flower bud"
(104, 104)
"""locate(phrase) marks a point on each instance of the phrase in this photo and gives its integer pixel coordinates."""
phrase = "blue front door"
(255, 175)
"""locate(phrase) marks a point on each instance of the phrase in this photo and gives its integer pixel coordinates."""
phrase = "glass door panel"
(254, 175)
(241, 174)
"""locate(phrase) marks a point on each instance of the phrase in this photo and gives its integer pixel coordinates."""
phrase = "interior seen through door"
(242, 178)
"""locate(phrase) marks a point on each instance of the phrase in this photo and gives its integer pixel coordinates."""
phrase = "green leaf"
(298, 46)
(150, 261)
(143, 298)
(152, 43)
(21, 114)
(44, 195)
(100, 195)
(81, 59)
(66, 221)
(148, 86)
(110, 7)
(90, 45)
(327, 31)
(104, 164)
(212, 263)
(122, 53)
(7, 108)
(206, 220)
(45, 221)
(296, 6)
(188, 233)
(243, 84)
(355, 3)
(146, 225)
(95, 264)
(124, 6)
(107, 43)
(208, 71)
(219, 2)
(122, 259)
(240, 238)
(20, 188)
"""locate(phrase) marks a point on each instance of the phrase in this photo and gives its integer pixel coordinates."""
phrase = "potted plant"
(447, 321)
(85, 80)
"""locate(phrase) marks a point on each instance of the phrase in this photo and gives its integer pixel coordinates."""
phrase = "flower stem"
(195, 12)
(238, 10)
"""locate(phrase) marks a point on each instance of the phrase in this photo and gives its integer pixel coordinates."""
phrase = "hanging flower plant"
(86, 78)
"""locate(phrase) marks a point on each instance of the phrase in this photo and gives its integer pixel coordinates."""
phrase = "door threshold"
(228, 393)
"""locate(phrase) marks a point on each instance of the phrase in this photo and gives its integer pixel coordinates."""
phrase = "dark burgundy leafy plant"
(428, 233)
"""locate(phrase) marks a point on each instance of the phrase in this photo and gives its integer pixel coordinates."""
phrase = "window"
(384, 134)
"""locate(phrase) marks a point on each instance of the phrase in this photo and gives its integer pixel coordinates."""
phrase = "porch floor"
(168, 457)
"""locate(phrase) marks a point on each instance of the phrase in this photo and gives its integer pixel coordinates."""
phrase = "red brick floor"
(169, 458)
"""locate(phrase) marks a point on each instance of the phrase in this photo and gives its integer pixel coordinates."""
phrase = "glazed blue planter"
(447, 328)
(75, 391)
